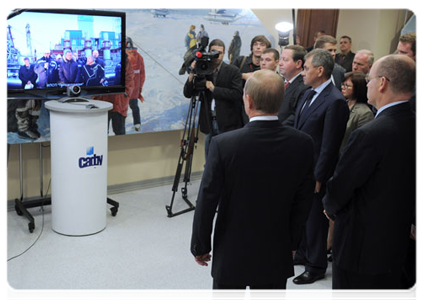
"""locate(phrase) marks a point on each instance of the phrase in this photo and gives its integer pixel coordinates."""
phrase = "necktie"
(307, 101)
(286, 84)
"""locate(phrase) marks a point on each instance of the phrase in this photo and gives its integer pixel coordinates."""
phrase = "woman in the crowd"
(354, 89)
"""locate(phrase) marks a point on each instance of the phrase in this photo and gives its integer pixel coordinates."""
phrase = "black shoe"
(28, 135)
(330, 258)
(307, 278)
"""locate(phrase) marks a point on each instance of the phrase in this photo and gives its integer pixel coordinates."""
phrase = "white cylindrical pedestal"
(78, 166)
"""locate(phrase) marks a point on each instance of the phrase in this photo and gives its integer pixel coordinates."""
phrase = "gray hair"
(322, 57)
(370, 56)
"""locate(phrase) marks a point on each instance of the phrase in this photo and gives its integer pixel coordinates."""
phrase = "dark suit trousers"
(313, 247)
(258, 292)
(408, 278)
(342, 279)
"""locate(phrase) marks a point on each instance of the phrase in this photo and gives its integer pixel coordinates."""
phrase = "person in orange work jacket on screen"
(120, 101)
(137, 63)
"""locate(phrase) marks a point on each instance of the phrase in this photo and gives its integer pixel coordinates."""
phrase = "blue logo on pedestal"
(90, 150)
(91, 160)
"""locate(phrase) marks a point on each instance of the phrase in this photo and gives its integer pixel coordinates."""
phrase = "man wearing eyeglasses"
(372, 193)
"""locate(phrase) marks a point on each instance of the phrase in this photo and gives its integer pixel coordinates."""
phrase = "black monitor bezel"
(59, 92)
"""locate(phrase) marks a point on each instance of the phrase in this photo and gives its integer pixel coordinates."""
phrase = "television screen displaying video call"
(51, 50)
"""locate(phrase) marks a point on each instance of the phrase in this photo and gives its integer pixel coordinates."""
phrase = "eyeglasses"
(346, 86)
(367, 78)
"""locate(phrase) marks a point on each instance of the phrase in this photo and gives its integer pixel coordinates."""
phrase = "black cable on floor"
(42, 227)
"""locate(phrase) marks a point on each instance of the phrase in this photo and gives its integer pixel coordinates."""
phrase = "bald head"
(400, 71)
(265, 89)
(391, 79)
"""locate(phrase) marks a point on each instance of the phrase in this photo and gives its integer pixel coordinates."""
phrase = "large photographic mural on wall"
(161, 37)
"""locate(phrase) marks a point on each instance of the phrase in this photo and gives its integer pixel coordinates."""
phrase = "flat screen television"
(50, 50)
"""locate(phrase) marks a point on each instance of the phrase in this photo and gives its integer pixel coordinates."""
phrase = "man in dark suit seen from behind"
(409, 44)
(290, 67)
(323, 114)
(372, 194)
(346, 57)
(262, 190)
(221, 109)
(329, 43)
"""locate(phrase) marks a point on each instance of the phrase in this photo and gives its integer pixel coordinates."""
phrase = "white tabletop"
(78, 105)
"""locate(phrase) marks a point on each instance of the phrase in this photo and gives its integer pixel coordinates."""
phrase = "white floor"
(140, 249)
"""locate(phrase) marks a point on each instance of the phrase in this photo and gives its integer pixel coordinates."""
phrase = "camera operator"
(222, 93)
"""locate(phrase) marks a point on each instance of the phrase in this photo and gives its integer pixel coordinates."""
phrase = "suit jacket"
(360, 114)
(325, 121)
(338, 74)
(415, 98)
(346, 63)
(228, 99)
(263, 191)
(293, 94)
(372, 194)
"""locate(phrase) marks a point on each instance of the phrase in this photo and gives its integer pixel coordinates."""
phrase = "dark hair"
(359, 83)
(321, 41)
(261, 39)
(272, 50)
(217, 42)
(400, 70)
(346, 37)
(322, 57)
(411, 39)
(319, 31)
(298, 53)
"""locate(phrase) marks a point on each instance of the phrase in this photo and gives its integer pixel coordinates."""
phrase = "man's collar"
(321, 87)
(295, 77)
(264, 118)
(389, 105)
(219, 66)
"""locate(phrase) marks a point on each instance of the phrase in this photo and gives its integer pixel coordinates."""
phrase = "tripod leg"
(187, 148)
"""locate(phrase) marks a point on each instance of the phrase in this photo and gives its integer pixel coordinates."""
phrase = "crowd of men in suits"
(276, 180)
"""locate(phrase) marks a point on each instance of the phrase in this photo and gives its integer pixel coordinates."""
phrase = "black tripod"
(188, 144)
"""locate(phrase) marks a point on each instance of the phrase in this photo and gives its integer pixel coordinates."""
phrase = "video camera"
(204, 60)
(204, 65)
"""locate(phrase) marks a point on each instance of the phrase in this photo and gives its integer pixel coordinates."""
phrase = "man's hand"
(210, 85)
(413, 232)
(203, 259)
(191, 74)
(317, 187)
(327, 216)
